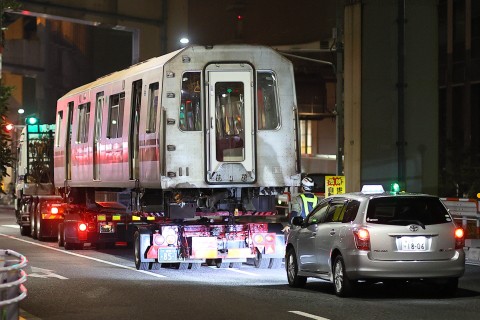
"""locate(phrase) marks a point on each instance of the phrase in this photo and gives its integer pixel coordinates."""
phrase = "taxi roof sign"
(373, 188)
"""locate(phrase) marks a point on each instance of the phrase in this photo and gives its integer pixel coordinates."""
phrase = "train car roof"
(156, 62)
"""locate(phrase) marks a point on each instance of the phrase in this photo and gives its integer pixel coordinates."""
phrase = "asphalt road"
(103, 284)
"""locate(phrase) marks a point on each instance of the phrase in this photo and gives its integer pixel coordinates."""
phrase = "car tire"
(291, 265)
(342, 285)
(25, 230)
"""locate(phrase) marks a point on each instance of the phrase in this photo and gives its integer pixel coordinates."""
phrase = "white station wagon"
(376, 236)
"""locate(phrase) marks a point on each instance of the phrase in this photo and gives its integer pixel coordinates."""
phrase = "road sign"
(334, 185)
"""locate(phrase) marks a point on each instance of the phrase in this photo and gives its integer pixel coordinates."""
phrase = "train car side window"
(58, 128)
(152, 108)
(115, 115)
(268, 116)
(83, 122)
(190, 111)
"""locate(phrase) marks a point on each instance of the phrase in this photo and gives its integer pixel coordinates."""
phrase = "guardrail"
(12, 277)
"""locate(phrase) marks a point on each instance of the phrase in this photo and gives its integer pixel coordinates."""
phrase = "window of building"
(152, 108)
(115, 115)
(190, 111)
(83, 122)
(268, 115)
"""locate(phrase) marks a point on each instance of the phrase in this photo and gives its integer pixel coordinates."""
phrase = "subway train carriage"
(204, 129)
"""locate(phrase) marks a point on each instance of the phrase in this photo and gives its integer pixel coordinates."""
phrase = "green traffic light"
(31, 120)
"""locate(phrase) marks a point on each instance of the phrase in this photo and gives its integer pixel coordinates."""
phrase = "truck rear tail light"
(82, 231)
(459, 238)
(54, 210)
(158, 239)
(362, 238)
(258, 239)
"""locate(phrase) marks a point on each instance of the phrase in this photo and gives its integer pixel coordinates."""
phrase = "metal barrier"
(12, 277)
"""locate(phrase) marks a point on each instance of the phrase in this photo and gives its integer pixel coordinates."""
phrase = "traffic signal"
(31, 120)
(8, 127)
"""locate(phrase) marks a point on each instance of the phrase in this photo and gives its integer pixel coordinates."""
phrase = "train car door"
(97, 134)
(68, 143)
(134, 127)
(230, 147)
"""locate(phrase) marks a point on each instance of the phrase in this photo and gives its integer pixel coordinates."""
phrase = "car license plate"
(414, 244)
(106, 227)
(167, 255)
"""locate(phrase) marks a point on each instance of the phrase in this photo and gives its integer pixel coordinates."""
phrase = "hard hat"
(307, 184)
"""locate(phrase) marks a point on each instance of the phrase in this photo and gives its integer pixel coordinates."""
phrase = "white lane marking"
(236, 270)
(45, 273)
(14, 226)
(308, 315)
(86, 257)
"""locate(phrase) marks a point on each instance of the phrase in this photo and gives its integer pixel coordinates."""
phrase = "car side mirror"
(297, 221)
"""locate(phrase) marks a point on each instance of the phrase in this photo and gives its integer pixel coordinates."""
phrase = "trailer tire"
(275, 263)
(155, 266)
(38, 223)
(194, 265)
(33, 223)
(24, 230)
(69, 246)
(260, 262)
(181, 265)
(60, 236)
(136, 251)
(236, 265)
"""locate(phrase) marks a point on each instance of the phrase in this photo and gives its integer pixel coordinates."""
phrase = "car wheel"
(294, 280)
(342, 285)
(136, 248)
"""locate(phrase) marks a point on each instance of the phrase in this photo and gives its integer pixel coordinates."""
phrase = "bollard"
(12, 277)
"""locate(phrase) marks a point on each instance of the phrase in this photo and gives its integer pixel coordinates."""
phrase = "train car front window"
(190, 112)
(229, 117)
(268, 118)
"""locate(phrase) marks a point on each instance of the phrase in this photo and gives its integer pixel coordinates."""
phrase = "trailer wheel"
(194, 265)
(69, 246)
(261, 262)
(60, 236)
(275, 263)
(33, 223)
(181, 265)
(236, 265)
(24, 230)
(221, 264)
(38, 223)
(136, 250)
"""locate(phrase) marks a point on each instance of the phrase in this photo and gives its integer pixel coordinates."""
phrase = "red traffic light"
(9, 127)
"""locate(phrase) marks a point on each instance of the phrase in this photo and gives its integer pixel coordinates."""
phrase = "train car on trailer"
(183, 156)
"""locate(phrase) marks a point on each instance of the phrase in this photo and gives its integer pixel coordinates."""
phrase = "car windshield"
(407, 210)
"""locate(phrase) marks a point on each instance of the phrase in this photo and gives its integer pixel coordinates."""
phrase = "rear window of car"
(407, 210)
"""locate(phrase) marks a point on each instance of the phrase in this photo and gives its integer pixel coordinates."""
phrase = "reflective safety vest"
(309, 201)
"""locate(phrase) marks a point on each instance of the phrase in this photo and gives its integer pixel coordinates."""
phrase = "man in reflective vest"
(303, 203)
